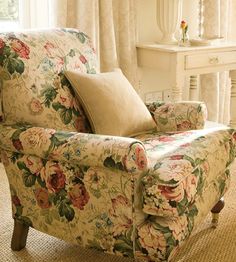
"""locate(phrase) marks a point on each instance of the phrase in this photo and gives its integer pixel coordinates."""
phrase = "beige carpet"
(206, 244)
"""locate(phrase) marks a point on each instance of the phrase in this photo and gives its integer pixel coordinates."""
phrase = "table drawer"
(210, 59)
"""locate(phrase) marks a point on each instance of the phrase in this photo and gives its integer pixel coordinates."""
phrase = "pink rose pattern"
(152, 240)
(68, 190)
(54, 177)
(54, 100)
(178, 116)
(49, 47)
(36, 106)
(42, 197)
(79, 196)
(20, 48)
(60, 188)
(178, 178)
(56, 181)
(170, 187)
(140, 158)
(34, 164)
(122, 219)
(83, 59)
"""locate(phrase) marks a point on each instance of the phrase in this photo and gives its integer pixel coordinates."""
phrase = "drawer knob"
(214, 60)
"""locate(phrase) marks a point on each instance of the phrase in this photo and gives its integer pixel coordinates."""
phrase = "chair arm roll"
(121, 153)
(179, 116)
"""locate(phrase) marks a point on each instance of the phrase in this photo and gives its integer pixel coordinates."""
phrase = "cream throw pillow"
(112, 105)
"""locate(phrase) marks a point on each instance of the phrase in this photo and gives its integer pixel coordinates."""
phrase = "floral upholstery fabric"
(137, 197)
(182, 165)
(87, 205)
(33, 84)
(126, 154)
(92, 200)
(180, 116)
(159, 238)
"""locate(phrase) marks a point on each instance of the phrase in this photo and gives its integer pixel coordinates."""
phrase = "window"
(9, 15)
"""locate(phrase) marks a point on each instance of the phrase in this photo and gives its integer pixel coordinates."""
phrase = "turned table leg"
(19, 235)
(233, 99)
(177, 86)
(177, 77)
(216, 212)
(193, 91)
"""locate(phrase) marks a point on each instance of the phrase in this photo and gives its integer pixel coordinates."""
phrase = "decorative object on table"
(209, 59)
(183, 36)
(215, 40)
(168, 17)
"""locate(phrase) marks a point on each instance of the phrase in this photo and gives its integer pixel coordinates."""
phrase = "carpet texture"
(205, 245)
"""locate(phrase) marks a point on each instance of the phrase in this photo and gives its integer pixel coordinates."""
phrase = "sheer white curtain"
(232, 31)
(34, 13)
(110, 24)
(219, 16)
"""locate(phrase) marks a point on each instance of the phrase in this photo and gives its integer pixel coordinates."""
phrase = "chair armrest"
(179, 116)
(126, 154)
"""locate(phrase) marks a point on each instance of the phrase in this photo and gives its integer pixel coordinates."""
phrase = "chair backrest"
(34, 89)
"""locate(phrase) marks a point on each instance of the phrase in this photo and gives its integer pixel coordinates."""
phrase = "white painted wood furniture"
(182, 62)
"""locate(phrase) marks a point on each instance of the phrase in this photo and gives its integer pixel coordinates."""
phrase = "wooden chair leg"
(216, 212)
(19, 235)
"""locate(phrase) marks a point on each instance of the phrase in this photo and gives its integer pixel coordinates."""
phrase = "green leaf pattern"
(180, 116)
(180, 176)
(90, 201)
(82, 187)
(44, 96)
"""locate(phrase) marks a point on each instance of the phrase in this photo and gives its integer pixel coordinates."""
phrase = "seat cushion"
(182, 165)
(35, 90)
(111, 103)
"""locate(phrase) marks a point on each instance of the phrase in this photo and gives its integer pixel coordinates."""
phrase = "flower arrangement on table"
(184, 38)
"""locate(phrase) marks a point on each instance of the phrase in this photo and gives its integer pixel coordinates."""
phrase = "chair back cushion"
(116, 109)
(34, 88)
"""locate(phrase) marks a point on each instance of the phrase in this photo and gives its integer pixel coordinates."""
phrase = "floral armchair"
(138, 197)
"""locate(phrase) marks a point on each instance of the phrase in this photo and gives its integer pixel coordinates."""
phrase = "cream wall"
(147, 31)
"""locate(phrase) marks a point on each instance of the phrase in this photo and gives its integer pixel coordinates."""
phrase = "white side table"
(180, 62)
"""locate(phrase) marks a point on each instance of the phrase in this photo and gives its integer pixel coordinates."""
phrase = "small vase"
(183, 38)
